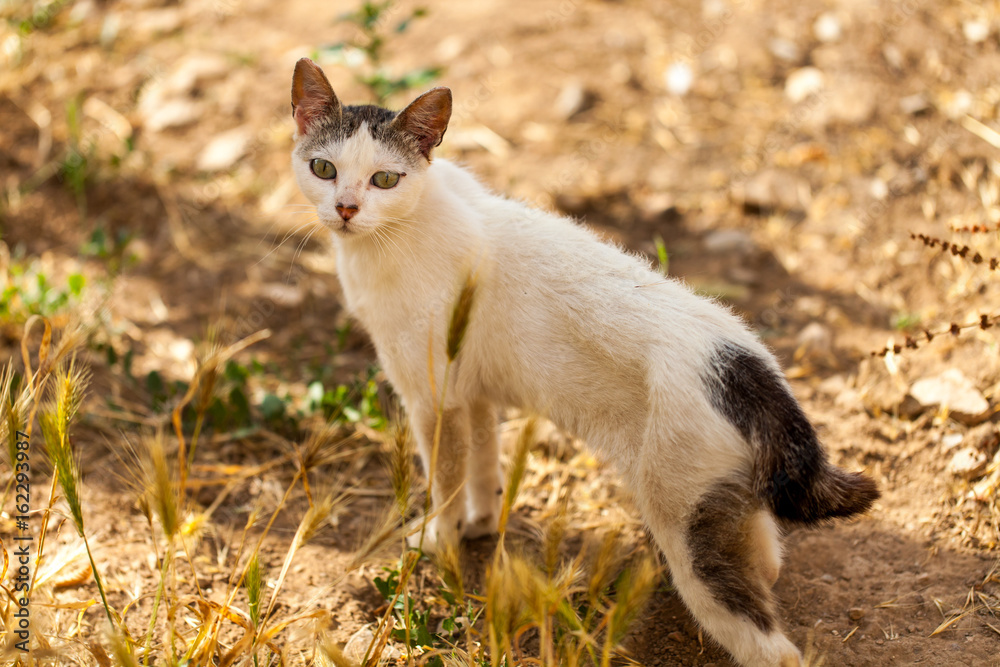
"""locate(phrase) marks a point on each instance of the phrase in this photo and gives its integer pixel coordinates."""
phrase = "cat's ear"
(426, 118)
(312, 96)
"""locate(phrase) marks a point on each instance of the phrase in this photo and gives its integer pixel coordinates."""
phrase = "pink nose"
(347, 212)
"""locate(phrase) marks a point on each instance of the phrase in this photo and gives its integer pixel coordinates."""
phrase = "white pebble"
(679, 79)
(827, 27)
(976, 31)
(802, 83)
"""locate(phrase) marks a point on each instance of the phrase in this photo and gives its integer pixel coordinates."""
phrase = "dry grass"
(546, 609)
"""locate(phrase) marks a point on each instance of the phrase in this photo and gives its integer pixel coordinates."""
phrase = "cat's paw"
(482, 526)
(483, 520)
(436, 536)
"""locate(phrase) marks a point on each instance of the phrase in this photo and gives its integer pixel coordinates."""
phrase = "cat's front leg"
(484, 488)
(446, 478)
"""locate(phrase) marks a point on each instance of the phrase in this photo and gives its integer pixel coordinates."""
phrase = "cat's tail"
(791, 472)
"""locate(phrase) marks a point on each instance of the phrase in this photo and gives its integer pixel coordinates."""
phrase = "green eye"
(385, 179)
(323, 168)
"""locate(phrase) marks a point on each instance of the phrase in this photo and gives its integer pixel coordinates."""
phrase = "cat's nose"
(347, 212)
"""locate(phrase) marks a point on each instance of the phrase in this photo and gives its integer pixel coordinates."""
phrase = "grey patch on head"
(379, 123)
(718, 537)
(791, 471)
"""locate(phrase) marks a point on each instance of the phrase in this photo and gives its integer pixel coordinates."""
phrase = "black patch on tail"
(721, 552)
(791, 471)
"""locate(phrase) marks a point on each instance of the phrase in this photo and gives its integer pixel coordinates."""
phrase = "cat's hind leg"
(484, 488)
(724, 557)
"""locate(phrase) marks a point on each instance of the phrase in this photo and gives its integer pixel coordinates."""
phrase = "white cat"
(689, 406)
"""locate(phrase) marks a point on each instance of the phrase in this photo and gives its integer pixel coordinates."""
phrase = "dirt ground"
(784, 152)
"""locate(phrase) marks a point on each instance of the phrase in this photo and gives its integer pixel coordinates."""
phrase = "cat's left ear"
(312, 96)
(426, 118)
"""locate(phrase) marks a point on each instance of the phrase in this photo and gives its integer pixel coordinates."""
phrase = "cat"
(689, 406)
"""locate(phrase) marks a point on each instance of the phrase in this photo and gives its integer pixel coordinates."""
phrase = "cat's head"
(362, 166)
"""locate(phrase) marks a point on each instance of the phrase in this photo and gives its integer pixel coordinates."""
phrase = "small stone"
(172, 113)
(852, 100)
(985, 438)
(953, 391)
(157, 22)
(774, 189)
(679, 78)
(832, 386)
(828, 579)
(224, 150)
(967, 463)
(827, 27)
(914, 104)
(359, 642)
(951, 440)
(802, 83)
(956, 104)
(785, 49)
(976, 31)
(911, 628)
(676, 636)
(815, 340)
(572, 99)
(729, 240)
(879, 642)
(855, 613)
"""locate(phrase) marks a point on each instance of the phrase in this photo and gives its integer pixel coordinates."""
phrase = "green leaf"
(272, 407)
(76, 283)
(154, 383)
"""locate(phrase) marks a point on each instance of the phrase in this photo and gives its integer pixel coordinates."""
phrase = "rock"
(815, 340)
(855, 613)
(172, 113)
(984, 438)
(679, 78)
(359, 642)
(572, 99)
(956, 104)
(833, 385)
(827, 27)
(828, 579)
(952, 440)
(852, 100)
(224, 150)
(914, 104)
(676, 636)
(195, 69)
(802, 83)
(729, 240)
(967, 463)
(157, 22)
(954, 392)
(976, 31)
(774, 189)
(785, 49)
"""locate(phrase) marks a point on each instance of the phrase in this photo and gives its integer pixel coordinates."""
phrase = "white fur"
(562, 324)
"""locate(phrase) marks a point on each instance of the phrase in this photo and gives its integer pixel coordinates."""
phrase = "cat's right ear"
(313, 98)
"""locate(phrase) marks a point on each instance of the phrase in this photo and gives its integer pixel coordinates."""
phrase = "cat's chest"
(387, 304)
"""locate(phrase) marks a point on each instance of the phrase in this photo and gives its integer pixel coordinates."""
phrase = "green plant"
(110, 248)
(661, 255)
(366, 53)
(76, 165)
(26, 290)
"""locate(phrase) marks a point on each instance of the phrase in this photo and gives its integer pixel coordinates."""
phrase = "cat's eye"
(385, 179)
(323, 168)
